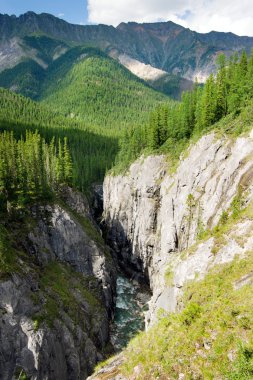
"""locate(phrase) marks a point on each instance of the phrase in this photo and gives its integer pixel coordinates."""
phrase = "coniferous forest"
(171, 124)
(92, 152)
(170, 127)
(30, 169)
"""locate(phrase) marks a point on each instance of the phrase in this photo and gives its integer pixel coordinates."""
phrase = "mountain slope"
(57, 285)
(92, 153)
(87, 85)
(25, 78)
(166, 46)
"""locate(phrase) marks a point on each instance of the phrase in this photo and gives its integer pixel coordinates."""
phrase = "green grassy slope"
(211, 335)
(200, 342)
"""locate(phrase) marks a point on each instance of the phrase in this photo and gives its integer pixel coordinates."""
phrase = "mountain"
(90, 86)
(81, 84)
(164, 45)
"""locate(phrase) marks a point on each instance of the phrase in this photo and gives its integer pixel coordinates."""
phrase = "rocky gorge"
(153, 215)
(55, 310)
(159, 219)
(57, 307)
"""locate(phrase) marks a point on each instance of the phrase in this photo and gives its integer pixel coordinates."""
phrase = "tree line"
(31, 169)
(227, 92)
(92, 151)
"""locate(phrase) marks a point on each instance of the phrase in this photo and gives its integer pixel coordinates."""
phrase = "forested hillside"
(86, 96)
(170, 128)
(87, 85)
(25, 78)
(92, 153)
(30, 169)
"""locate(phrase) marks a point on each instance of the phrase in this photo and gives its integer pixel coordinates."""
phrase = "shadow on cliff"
(122, 250)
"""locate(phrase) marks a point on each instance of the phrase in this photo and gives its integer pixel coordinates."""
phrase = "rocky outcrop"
(110, 371)
(152, 215)
(56, 307)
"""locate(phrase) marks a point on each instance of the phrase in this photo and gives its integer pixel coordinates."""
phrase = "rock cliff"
(153, 217)
(55, 304)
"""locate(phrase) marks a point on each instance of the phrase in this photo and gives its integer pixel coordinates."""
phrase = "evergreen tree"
(26, 168)
(68, 167)
(170, 125)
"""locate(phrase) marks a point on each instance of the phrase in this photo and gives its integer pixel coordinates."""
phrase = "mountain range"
(149, 50)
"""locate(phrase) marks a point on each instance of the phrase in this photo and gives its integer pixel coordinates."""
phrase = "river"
(131, 304)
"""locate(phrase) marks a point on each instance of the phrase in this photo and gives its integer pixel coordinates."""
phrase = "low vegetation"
(66, 291)
(61, 289)
(210, 338)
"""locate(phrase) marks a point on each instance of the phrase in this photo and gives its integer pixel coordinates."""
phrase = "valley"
(125, 201)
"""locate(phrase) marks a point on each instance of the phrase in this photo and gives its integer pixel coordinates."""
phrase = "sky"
(201, 15)
(74, 11)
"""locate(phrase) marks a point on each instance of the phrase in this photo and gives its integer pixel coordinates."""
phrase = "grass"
(169, 277)
(212, 336)
(66, 291)
(214, 326)
(239, 210)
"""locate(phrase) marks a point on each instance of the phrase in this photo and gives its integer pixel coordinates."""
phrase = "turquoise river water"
(131, 304)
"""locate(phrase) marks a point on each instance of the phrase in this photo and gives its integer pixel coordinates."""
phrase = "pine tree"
(68, 168)
(250, 76)
(27, 168)
(221, 100)
(60, 164)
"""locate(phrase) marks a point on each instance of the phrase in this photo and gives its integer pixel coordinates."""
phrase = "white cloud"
(61, 15)
(200, 15)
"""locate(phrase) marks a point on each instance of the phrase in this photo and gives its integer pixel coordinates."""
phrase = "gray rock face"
(111, 371)
(163, 45)
(152, 215)
(54, 323)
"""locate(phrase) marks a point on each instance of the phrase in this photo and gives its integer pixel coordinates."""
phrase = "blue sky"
(74, 11)
(200, 15)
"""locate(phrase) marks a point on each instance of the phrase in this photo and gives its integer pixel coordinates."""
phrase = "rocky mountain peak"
(163, 45)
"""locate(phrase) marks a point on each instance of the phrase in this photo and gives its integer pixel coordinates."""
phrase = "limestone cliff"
(152, 215)
(55, 302)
